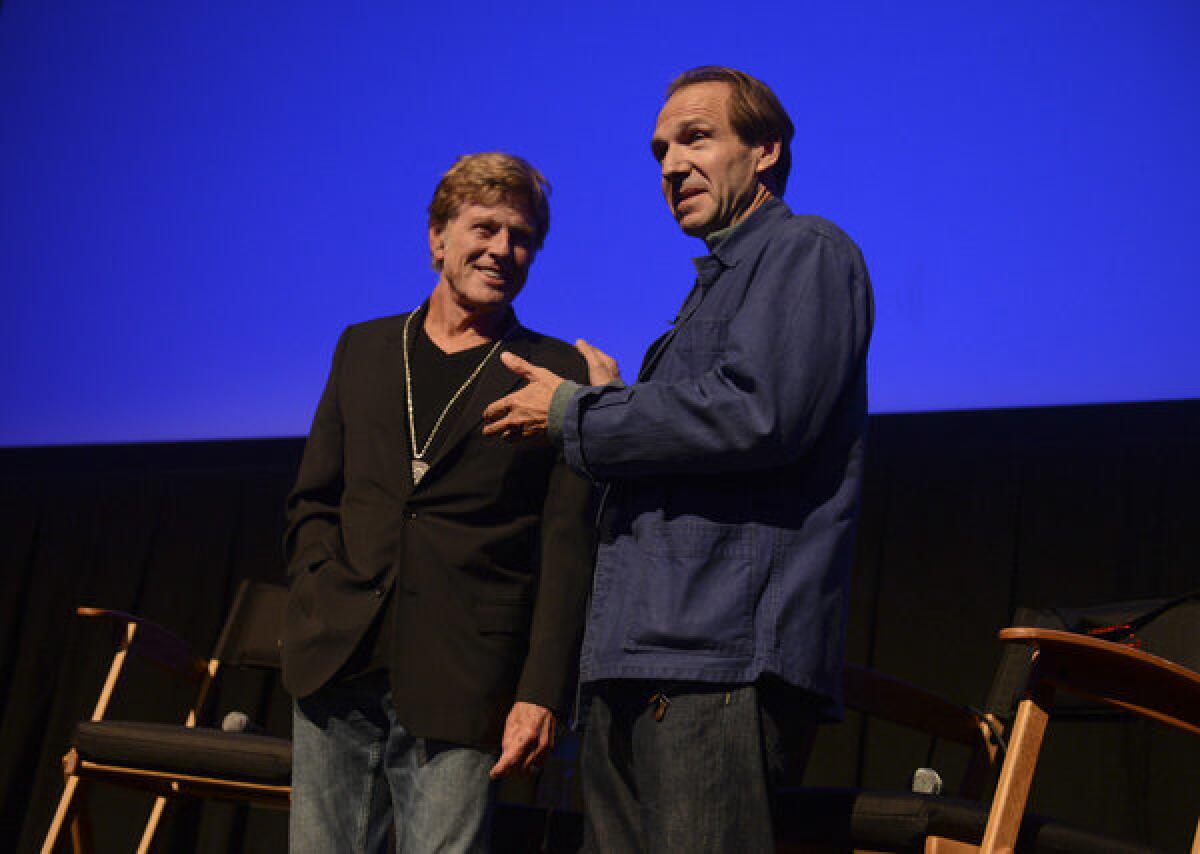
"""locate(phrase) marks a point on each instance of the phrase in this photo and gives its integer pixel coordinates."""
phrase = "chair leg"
(61, 815)
(156, 813)
(1012, 792)
(82, 840)
(68, 808)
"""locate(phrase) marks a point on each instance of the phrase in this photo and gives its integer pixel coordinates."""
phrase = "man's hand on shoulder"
(528, 737)
(602, 368)
(524, 413)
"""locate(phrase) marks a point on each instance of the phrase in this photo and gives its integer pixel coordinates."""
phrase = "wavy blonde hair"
(488, 179)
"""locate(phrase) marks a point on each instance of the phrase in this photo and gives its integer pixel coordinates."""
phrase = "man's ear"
(437, 246)
(769, 152)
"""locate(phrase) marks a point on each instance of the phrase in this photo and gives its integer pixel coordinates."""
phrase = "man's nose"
(500, 243)
(674, 164)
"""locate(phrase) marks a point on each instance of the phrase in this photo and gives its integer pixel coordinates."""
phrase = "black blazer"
(489, 557)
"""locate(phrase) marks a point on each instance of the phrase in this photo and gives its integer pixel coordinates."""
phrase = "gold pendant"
(419, 467)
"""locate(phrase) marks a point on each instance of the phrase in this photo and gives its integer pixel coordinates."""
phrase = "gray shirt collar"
(718, 237)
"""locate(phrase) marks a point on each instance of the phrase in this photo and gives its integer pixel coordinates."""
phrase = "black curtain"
(965, 517)
(164, 531)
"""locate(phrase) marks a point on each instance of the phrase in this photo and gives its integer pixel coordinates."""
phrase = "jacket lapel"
(393, 401)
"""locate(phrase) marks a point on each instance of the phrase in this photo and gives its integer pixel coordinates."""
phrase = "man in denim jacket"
(732, 469)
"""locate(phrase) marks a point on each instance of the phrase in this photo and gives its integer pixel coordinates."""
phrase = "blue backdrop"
(195, 198)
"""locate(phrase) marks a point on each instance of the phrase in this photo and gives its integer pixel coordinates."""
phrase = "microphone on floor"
(926, 781)
(237, 721)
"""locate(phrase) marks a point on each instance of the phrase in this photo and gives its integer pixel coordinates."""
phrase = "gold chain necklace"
(419, 465)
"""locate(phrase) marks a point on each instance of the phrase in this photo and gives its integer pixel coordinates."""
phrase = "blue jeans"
(355, 769)
(693, 773)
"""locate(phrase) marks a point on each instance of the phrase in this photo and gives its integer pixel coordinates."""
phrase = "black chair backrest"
(1169, 628)
(251, 634)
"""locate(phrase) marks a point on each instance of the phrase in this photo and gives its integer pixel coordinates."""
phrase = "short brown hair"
(489, 179)
(755, 113)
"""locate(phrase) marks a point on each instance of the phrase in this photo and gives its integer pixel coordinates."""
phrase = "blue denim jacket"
(734, 466)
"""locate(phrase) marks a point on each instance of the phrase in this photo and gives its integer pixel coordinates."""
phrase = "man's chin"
(490, 289)
(695, 223)
(696, 227)
(493, 297)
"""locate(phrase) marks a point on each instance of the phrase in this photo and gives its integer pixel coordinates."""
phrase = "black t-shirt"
(436, 376)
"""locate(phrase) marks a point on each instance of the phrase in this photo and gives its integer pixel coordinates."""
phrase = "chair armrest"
(1115, 674)
(154, 643)
(906, 704)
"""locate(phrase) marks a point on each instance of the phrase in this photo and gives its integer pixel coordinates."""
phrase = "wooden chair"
(1110, 673)
(866, 821)
(172, 760)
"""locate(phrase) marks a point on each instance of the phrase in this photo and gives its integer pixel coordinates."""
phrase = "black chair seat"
(901, 821)
(196, 751)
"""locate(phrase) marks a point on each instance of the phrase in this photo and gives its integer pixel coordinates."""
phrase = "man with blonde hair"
(733, 466)
(437, 576)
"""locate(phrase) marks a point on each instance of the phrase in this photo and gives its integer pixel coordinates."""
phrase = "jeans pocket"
(696, 592)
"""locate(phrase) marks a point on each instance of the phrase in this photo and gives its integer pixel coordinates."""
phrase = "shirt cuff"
(558, 410)
(570, 425)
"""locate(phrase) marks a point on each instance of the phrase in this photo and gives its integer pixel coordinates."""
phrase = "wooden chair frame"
(160, 647)
(1106, 672)
(1110, 673)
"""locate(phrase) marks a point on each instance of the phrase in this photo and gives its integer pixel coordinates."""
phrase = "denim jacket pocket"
(701, 342)
(696, 590)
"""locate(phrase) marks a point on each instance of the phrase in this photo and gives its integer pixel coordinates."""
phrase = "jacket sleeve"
(792, 350)
(313, 506)
(547, 677)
